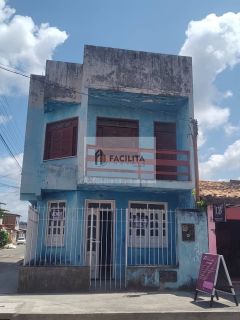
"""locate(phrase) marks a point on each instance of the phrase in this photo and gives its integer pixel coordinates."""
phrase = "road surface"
(9, 260)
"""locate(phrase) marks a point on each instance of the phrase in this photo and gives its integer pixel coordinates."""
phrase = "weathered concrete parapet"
(63, 82)
(53, 279)
(152, 72)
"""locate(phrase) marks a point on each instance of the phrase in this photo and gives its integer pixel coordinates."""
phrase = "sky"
(209, 31)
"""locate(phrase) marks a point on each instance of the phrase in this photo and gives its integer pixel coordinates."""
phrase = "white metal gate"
(109, 240)
(100, 252)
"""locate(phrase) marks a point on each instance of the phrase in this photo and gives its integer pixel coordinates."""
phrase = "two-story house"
(109, 169)
(10, 222)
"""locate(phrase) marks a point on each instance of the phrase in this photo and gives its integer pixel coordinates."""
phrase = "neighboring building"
(10, 223)
(223, 208)
(109, 169)
(22, 229)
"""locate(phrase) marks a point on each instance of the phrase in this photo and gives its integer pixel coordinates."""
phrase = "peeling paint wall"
(190, 252)
(63, 82)
(57, 96)
(160, 73)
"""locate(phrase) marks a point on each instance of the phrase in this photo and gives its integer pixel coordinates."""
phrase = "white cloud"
(214, 44)
(11, 175)
(5, 119)
(25, 46)
(201, 138)
(226, 164)
(231, 129)
(227, 94)
(5, 11)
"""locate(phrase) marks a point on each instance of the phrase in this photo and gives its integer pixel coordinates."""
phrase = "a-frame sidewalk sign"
(214, 277)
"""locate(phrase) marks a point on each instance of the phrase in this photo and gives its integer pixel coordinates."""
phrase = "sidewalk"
(114, 306)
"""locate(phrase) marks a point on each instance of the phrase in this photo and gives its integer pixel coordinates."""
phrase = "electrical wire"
(10, 127)
(10, 151)
(18, 131)
(8, 185)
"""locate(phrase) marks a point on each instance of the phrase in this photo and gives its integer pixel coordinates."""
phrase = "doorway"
(100, 238)
(228, 245)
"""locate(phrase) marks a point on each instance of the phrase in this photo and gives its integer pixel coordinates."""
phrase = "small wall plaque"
(188, 232)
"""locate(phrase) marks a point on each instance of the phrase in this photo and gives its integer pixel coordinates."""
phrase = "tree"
(3, 238)
(2, 211)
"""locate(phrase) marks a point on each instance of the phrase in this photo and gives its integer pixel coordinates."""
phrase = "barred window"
(56, 223)
(147, 225)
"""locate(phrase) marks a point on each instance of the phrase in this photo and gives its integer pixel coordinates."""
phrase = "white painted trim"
(113, 209)
(165, 204)
(47, 221)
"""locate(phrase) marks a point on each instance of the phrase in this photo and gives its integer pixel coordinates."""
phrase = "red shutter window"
(125, 132)
(61, 139)
(165, 134)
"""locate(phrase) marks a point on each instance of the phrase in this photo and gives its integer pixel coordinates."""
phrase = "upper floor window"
(117, 133)
(61, 139)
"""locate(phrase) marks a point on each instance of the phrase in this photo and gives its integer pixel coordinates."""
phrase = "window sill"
(52, 159)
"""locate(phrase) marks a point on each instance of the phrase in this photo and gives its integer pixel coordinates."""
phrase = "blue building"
(109, 171)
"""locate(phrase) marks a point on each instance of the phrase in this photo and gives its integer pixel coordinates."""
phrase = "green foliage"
(3, 212)
(3, 238)
(202, 204)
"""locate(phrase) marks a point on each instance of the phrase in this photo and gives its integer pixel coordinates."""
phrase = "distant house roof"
(220, 191)
(12, 214)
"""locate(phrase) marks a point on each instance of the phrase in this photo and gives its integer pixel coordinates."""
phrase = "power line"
(8, 185)
(16, 125)
(14, 71)
(10, 135)
(9, 150)
(7, 175)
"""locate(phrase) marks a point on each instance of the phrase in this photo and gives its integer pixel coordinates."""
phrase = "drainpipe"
(195, 151)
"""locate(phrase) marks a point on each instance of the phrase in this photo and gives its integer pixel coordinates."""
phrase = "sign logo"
(100, 157)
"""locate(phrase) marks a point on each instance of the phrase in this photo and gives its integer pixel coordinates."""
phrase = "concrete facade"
(118, 84)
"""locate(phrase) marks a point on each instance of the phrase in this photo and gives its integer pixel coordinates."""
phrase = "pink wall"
(233, 213)
(211, 231)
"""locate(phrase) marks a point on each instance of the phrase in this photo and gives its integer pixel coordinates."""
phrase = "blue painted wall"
(73, 251)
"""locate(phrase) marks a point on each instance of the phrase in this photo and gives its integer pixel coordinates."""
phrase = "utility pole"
(195, 151)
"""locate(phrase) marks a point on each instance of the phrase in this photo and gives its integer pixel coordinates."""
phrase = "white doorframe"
(94, 272)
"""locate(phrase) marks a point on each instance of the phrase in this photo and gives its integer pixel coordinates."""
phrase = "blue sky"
(148, 25)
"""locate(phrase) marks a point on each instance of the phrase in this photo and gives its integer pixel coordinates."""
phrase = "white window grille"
(147, 225)
(56, 223)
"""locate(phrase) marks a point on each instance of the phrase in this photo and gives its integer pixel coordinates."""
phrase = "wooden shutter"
(61, 139)
(121, 129)
(165, 135)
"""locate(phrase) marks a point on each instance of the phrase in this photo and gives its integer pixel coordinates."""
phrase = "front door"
(99, 241)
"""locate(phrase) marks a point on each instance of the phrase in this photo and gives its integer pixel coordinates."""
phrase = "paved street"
(9, 259)
(116, 306)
